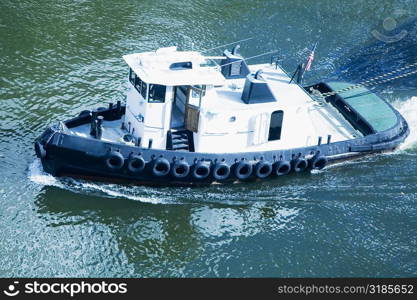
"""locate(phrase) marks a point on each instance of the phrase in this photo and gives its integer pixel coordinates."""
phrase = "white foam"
(37, 175)
(111, 190)
(408, 110)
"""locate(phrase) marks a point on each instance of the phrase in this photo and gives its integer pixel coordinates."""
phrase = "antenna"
(221, 46)
(245, 59)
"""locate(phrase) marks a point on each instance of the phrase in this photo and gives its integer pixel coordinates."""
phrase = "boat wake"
(408, 110)
(141, 194)
(37, 175)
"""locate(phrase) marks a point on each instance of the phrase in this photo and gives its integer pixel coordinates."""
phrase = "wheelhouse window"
(132, 76)
(139, 84)
(157, 93)
(275, 126)
(143, 89)
(197, 93)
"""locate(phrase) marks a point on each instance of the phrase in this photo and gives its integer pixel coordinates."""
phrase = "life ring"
(299, 164)
(180, 169)
(136, 163)
(201, 170)
(40, 150)
(243, 170)
(115, 160)
(263, 169)
(161, 167)
(282, 167)
(318, 162)
(221, 171)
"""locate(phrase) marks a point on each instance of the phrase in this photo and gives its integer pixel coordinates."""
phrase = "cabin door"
(192, 115)
(192, 108)
(260, 129)
(178, 106)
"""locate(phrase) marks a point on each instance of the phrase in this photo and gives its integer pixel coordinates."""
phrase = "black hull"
(65, 154)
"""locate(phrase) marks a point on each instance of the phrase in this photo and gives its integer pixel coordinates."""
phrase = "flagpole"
(310, 57)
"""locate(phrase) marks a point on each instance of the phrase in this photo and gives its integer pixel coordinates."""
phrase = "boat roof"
(157, 67)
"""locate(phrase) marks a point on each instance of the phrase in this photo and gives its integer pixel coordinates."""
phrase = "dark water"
(60, 57)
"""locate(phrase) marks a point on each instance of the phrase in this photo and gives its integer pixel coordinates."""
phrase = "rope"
(376, 80)
(224, 45)
(246, 59)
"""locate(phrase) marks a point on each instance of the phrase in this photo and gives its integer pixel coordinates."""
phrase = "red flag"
(310, 58)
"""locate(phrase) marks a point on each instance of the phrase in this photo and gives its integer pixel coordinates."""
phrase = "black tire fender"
(201, 170)
(282, 168)
(318, 162)
(221, 171)
(114, 160)
(136, 163)
(180, 169)
(243, 170)
(263, 169)
(161, 167)
(299, 164)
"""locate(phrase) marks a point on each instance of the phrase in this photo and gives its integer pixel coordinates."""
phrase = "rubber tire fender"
(117, 157)
(260, 167)
(242, 165)
(299, 164)
(201, 165)
(318, 162)
(282, 168)
(133, 160)
(180, 165)
(157, 164)
(218, 167)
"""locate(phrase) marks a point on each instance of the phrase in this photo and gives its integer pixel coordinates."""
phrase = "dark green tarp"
(372, 108)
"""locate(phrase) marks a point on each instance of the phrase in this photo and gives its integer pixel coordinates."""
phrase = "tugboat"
(191, 119)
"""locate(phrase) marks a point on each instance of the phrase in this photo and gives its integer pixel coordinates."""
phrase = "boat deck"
(111, 131)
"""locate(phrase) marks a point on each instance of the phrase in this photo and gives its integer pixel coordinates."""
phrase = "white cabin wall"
(169, 99)
(156, 118)
(218, 133)
(135, 108)
(156, 135)
(259, 125)
(299, 128)
(157, 121)
(250, 130)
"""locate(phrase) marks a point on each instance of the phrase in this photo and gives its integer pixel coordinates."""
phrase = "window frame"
(275, 136)
(138, 83)
(144, 90)
(152, 89)
(132, 79)
(140, 86)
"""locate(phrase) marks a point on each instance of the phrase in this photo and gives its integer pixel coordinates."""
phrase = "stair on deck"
(180, 140)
